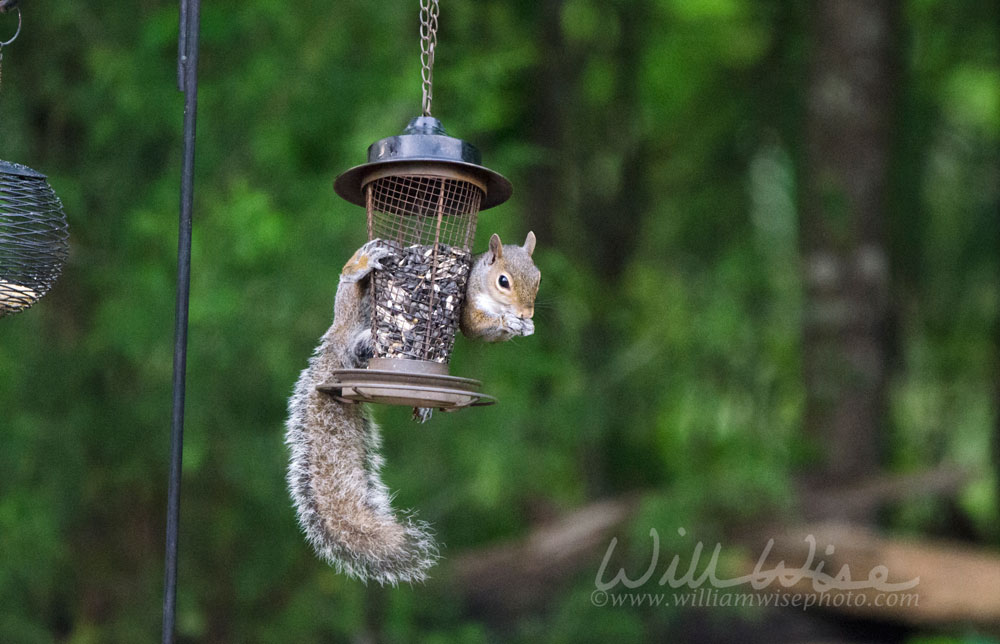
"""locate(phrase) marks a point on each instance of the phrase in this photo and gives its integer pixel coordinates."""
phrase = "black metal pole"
(188, 81)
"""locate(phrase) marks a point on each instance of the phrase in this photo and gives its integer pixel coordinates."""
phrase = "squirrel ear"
(496, 248)
(529, 242)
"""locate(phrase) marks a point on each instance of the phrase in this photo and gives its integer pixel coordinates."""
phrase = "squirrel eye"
(503, 281)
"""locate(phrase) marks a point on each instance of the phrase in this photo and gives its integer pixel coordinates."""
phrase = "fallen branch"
(855, 502)
(511, 578)
(951, 583)
(957, 583)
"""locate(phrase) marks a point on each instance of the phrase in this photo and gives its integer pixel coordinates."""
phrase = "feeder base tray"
(387, 387)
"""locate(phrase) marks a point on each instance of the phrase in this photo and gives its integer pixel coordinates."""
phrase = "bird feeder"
(422, 192)
(34, 236)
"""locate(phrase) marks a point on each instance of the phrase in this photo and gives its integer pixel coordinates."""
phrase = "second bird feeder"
(422, 192)
(34, 236)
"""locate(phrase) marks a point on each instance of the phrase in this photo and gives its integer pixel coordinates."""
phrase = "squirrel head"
(509, 276)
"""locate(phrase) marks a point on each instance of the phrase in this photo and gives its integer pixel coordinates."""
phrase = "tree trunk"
(846, 270)
(597, 225)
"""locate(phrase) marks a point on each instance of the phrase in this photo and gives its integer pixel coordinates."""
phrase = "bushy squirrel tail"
(342, 504)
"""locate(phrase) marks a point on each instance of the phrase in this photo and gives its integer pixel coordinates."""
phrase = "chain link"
(4, 43)
(428, 43)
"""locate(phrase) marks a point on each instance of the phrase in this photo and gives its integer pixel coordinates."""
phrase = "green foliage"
(667, 353)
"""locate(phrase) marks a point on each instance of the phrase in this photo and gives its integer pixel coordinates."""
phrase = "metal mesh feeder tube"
(422, 192)
(34, 237)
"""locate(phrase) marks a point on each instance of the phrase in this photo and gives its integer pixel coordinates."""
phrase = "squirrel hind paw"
(422, 414)
(362, 349)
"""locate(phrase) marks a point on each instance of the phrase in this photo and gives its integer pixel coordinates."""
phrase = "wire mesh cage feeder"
(34, 236)
(422, 192)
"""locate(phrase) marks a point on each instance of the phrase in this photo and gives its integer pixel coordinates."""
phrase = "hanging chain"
(6, 6)
(4, 43)
(428, 42)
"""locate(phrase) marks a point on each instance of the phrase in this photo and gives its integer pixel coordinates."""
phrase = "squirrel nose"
(526, 314)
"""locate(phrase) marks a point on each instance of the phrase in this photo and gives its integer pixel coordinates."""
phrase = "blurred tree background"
(663, 153)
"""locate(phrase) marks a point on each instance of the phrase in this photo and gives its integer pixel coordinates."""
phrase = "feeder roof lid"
(423, 141)
(7, 167)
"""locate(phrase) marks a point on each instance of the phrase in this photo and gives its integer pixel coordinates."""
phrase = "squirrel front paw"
(516, 326)
(507, 327)
(365, 260)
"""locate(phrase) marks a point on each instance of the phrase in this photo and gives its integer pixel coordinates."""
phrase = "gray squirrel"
(342, 504)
